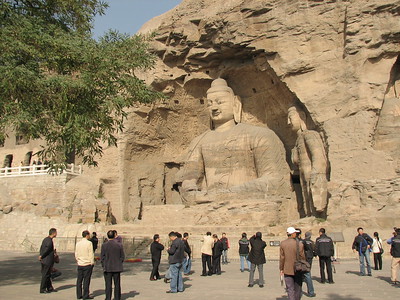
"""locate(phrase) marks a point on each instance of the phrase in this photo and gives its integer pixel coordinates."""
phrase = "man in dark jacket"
(46, 258)
(362, 244)
(216, 255)
(94, 240)
(257, 259)
(176, 257)
(155, 249)
(325, 250)
(309, 252)
(225, 247)
(112, 257)
(395, 252)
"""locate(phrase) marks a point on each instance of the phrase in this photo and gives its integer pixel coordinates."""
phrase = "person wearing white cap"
(288, 251)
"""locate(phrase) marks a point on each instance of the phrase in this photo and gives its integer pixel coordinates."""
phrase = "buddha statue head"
(296, 119)
(223, 105)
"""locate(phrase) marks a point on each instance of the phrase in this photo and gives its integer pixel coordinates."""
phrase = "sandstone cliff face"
(337, 60)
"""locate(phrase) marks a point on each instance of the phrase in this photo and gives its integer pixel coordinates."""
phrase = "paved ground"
(20, 277)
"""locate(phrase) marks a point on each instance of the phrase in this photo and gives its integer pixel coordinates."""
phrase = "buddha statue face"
(220, 106)
(223, 105)
(295, 120)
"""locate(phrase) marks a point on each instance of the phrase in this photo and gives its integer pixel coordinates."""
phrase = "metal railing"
(36, 170)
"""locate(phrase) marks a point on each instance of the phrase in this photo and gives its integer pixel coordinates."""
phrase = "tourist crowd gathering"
(296, 257)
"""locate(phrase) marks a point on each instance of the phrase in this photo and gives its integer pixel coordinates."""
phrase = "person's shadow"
(65, 287)
(129, 295)
(353, 272)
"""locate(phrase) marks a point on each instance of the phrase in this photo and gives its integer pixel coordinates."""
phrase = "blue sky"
(127, 16)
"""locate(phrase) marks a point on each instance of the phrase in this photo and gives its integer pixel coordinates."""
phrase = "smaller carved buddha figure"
(310, 157)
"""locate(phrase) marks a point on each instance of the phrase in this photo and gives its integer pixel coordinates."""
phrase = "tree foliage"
(59, 84)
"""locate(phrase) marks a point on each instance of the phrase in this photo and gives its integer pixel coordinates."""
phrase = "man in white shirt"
(206, 254)
(84, 256)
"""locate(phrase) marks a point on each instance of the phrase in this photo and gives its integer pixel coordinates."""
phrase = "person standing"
(118, 238)
(94, 241)
(395, 252)
(257, 259)
(216, 255)
(377, 250)
(225, 247)
(325, 250)
(187, 263)
(176, 257)
(155, 249)
(84, 256)
(206, 254)
(287, 258)
(244, 252)
(46, 258)
(112, 258)
(362, 244)
(309, 252)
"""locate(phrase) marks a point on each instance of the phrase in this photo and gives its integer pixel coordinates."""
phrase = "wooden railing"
(37, 170)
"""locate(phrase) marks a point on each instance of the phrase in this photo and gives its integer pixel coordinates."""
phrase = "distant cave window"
(8, 161)
(20, 140)
(27, 159)
(176, 101)
(201, 101)
(1, 143)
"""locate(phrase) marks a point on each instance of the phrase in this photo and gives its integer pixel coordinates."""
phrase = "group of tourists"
(296, 256)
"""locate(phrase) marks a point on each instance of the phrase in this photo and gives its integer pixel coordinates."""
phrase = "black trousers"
(325, 260)
(378, 261)
(45, 283)
(216, 264)
(206, 259)
(154, 272)
(84, 276)
(108, 278)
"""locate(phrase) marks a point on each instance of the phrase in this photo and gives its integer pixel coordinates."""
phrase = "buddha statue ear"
(237, 109)
(303, 119)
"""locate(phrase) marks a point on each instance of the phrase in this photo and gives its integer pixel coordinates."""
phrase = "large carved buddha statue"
(233, 157)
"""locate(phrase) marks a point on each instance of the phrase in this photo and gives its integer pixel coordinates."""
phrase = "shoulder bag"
(300, 265)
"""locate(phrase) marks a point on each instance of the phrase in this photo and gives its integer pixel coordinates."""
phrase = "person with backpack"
(225, 246)
(395, 252)
(244, 251)
(362, 244)
(309, 252)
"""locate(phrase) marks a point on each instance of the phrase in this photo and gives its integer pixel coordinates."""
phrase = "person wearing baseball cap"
(288, 251)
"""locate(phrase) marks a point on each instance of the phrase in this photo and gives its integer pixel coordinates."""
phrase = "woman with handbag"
(377, 249)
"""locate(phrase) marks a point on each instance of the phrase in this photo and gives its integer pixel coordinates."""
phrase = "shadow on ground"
(357, 273)
(26, 269)
(330, 297)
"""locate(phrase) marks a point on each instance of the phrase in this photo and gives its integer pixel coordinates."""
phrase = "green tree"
(59, 84)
